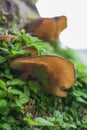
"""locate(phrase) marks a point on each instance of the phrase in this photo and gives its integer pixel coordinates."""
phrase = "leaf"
(3, 103)
(14, 91)
(68, 125)
(84, 120)
(2, 31)
(38, 122)
(26, 91)
(6, 126)
(2, 59)
(33, 39)
(21, 52)
(15, 82)
(5, 50)
(81, 100)
(3, 84)
(80, 93)
(30, 121)
(43, 122)
(58, 116)
(34, 86)
(3, 94)
(22, 100)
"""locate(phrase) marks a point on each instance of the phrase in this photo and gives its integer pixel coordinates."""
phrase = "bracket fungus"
(55, 73)
(47, 29)
(5, 38)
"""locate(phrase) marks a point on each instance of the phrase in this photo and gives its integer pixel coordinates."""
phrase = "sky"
(75, 35)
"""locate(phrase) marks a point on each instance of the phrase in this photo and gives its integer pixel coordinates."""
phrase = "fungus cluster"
(54, 73)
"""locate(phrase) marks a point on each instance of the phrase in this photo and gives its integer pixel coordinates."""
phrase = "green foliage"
(23, 106)
(6, 16)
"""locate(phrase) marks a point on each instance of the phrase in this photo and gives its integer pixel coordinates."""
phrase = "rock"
(16, 11)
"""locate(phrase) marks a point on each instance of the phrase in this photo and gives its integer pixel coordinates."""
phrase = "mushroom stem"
(59, 92)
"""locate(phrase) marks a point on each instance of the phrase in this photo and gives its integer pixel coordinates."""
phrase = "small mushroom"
(30, 50)
(5, 38)
(55, 73)
(47, 29)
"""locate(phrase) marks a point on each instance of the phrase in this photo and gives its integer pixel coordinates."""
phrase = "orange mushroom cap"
(47, 29)
(5, 38)
(58, 72)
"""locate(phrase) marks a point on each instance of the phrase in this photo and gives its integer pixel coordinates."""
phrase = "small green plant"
(23, 106)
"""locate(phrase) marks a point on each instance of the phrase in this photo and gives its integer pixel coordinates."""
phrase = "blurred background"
(74, 36)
